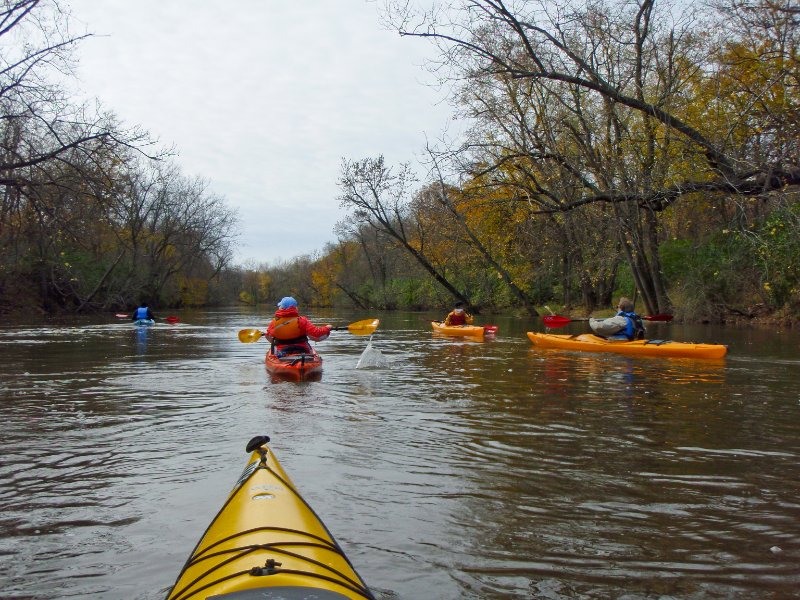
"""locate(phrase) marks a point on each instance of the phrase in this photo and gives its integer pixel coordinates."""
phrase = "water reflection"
(141, 340)
(279, 377)
(461, 339)
(460, 470)
(626, 372)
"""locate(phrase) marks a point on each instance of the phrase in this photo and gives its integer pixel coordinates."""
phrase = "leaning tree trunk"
(420, 258)
(526, 300)
(448, 204)
(663, 303)
(357, 300)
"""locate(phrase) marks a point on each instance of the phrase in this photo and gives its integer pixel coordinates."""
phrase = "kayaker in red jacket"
(458, 316)
(289, 332)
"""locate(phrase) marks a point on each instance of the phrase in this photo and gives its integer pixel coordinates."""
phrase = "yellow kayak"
(465, 330)
(267, 542)
(588, 342)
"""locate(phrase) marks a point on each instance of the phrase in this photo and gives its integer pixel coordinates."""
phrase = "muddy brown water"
(461, 469)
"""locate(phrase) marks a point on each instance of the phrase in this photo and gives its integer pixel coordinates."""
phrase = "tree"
(380, 199)
(601, 104)
(40, 126)
(58, 164)
(452, 201)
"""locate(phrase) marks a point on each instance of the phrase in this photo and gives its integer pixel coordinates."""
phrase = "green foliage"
(675, 255)
(779, 253)
(759, 264)
(410, 293)
(706, 276)
(625, 284)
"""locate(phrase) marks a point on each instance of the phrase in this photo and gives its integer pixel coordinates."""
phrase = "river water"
(459, 470)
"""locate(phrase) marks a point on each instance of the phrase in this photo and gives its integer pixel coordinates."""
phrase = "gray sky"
(263, 98)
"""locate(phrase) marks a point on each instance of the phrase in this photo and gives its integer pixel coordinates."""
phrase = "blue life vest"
(141, 313)
(634, 330)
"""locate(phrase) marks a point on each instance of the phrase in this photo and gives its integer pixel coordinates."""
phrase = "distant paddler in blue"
(143, 315)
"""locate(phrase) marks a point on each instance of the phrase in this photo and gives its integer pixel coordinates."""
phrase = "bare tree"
(380, 199)
(604, 104)
(443, 194)
(39, 122)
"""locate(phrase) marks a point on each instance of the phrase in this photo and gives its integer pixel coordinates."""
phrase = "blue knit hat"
(287, 302)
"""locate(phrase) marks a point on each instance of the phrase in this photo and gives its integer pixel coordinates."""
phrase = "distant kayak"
(463, 330)
(144, 322)
(267, 542)
(591, 343)
(294, 366)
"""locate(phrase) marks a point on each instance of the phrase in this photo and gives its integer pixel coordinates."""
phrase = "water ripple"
(462, 469)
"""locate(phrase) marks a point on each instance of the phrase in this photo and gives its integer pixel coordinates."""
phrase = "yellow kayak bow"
(267, 542)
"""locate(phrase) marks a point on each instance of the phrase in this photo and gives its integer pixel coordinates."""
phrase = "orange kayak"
(588, 342)
(294, 366)
(463, 330)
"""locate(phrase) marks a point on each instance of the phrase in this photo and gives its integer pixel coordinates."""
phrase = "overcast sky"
(264, 98)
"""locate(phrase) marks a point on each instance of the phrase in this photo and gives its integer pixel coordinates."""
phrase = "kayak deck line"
(270, 568)
(274, 546)
(203, 555)
(307, 540)
(293, 359)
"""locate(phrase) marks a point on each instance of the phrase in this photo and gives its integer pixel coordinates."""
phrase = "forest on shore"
(609, 148)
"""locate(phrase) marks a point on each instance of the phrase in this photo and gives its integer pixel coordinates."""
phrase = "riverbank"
(756, 316)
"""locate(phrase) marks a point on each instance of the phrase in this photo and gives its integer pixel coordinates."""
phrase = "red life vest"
(455, 318)
(286, 329)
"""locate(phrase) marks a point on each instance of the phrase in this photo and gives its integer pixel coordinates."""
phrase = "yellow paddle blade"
(365, 327)
(250, 335)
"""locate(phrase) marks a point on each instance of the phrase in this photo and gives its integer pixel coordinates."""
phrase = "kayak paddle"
(249, 335)
(170, 319)
(559, 321)
(365, 327)
(659, 317)
(554, 321)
